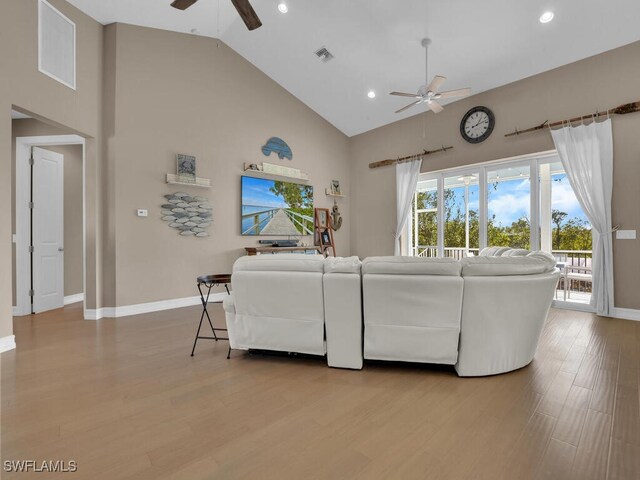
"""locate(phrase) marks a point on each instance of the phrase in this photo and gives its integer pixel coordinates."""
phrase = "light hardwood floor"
(125, 400)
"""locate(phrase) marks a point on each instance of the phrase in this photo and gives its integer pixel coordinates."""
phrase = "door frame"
(23, 226)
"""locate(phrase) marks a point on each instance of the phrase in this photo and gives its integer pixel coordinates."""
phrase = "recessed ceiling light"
(283, 7)
(546, 17)
(371, 94)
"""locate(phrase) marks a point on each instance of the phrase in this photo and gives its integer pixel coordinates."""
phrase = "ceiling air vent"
(324, 54)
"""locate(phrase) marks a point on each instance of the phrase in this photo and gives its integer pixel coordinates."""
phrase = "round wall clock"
(477, 124)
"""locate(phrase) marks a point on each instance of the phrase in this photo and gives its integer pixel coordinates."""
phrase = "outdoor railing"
(269, 212)
(449, 252)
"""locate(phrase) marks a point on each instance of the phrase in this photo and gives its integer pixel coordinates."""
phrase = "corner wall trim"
(140, 308)
(7, 343)
(78, 297)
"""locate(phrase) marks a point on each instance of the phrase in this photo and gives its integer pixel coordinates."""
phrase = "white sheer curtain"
(586, 152)
(406, 181)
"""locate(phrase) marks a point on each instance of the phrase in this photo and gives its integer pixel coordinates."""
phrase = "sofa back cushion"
(533, 263)
(410, 266)
(295, 262)
(342, 265)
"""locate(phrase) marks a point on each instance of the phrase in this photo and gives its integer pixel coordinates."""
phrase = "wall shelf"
(335, 195)
(200, 182)
(260, 173)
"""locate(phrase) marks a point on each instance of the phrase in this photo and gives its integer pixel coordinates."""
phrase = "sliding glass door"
(509, 206)
(524, 203)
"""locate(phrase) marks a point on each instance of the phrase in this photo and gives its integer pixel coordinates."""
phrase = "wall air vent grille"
(324, 55)
(56, 45)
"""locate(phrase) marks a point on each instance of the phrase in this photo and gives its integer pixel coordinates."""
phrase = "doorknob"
(60, 249)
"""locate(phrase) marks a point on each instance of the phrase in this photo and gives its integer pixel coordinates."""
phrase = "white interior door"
(48, 230)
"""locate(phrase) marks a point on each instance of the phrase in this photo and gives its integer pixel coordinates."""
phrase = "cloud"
(509, 207)
(563, 198)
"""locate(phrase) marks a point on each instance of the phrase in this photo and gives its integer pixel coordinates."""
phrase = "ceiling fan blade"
(461, 92)
(402, 94)
(247, 13)
(408, 106)
(182, 4)
(435, 106)
(436, 83)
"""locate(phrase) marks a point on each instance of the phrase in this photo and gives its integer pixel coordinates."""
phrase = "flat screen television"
(274, 207)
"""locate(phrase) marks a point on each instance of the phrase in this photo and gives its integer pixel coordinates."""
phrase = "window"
(524, 203)
(56, 45)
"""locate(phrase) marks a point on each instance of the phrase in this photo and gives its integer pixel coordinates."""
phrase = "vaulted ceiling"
(376, 44)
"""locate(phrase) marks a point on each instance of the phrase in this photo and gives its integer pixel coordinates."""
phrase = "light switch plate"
(626, 235)
(143, 212)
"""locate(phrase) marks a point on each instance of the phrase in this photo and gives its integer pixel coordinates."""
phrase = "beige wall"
(22, 86)
(600, 82)
(177, 93)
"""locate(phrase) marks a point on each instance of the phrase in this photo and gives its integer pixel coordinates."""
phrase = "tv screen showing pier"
(274, 207)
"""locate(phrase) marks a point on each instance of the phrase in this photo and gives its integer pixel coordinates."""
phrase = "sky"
(255, 191)
(511, 200)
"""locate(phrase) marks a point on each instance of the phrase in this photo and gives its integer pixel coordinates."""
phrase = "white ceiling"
(376, 43)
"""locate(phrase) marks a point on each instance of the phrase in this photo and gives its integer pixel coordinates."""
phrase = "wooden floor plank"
(126, 401)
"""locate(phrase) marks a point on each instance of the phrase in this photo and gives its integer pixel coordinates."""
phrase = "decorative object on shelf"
(477, 124)
(335, 187)
(278, 170)
(186, 168)
(323, 217)
(323, 234)
(632, 107)
(336, 218)
(190, 215)
(279, 146)
(408, 158)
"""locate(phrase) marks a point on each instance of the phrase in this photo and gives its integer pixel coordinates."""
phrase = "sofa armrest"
(229, 304)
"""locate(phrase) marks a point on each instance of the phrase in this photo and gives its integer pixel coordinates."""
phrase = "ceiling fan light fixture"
(546, 17)
(371, 94)
(282, 7)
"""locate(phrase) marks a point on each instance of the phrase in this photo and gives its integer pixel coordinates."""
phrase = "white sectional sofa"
(482, 314)
(285, 303)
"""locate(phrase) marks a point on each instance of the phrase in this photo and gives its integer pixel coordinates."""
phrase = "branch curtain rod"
(621, 110)
(392, 161)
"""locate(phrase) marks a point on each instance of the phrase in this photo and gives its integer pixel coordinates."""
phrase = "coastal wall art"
(278, 146)
(189, 215)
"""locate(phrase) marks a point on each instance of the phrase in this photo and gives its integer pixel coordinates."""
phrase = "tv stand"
(261, 250)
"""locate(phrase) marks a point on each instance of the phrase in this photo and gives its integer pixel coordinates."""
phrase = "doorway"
(41, 229)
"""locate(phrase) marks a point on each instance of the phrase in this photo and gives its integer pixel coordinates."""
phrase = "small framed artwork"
(335, 187)
(325, 238)
(186, 167)
(322, 217)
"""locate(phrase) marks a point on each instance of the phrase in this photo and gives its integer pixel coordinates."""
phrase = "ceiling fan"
(244, 8)
(428, 93)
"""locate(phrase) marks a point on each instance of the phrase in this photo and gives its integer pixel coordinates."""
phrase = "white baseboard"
(626, 313)
(7, 343)
(78, 297)
(125, 311)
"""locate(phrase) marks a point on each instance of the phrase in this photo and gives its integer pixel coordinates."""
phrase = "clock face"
(477, 124)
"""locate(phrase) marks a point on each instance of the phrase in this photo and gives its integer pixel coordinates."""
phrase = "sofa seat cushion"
(410, 266)
(294, 262)
(532, 264)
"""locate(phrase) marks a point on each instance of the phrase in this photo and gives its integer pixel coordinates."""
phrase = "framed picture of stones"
(186, 168)
(189, 215)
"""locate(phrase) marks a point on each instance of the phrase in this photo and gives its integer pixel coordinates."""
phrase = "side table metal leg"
(197, 334)
(229, 353)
